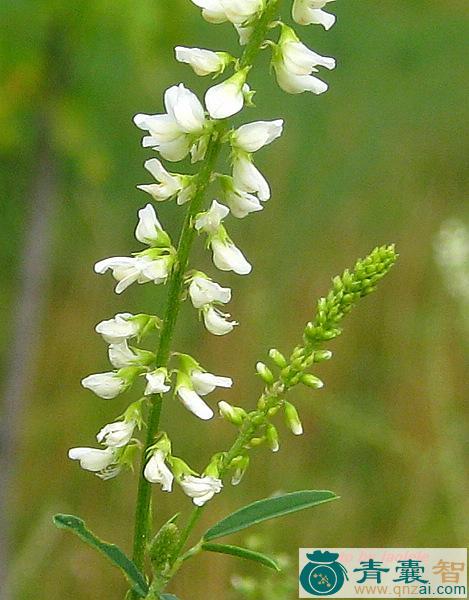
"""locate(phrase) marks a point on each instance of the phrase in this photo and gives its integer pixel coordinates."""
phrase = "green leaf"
(168, 597)
(111, 551)
(242, 553)
(269, 508)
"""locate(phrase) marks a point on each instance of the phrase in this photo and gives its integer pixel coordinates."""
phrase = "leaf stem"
(169, 323)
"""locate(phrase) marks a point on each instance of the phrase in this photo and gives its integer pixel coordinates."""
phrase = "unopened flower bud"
(240, 464)
(292, 419)
(265, 373)
(271, 435)
(278, 358)
(233, 414)
(312, 381)
(320, 355)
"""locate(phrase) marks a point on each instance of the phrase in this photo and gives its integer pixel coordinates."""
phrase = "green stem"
(174, 296)
(176, 284)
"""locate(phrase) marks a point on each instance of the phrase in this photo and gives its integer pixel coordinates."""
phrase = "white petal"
(212, 10)
(193, 402)
(227, 257)
(118, 329)
(156, 383)
(200, 489)
(162, 128)
(225, 99)
(202, 61)
(121, 356)
(116, 435)
(204, 383)
(185, 108)
(203, 291)
(92, 459)
(253, 136)
(239, 11)
(217, 322)
(249, 179)
(210, 221)
(148, 225)
(242, 203)
(105, 385)
(156, 471)
(296, 84)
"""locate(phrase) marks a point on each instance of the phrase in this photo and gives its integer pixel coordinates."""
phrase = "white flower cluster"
(187, 128)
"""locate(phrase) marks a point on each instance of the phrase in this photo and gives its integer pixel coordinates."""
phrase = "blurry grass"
(379, 158)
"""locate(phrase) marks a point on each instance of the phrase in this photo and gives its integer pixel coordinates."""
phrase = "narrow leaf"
(110, 551)
(168, 597)
(242, 553)
(268, 508)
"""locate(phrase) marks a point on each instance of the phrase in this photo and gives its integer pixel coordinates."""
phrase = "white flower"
(236, 11)
(169, 184)
(116, 435)
(253, 136)
(248, 178)
(227, 257)
(300, 60)
(202, 61)
(193, 402)
(156, 383)
(217, 322)
(210, 220)
(227, 98)
(242, 203)
(240, 11)
(105, 385)
(173, 134)
(297, 84)
(149, 230)
(204, 383)
(156, 471)
(118, 329)
(92, 459)
(120, 355)
(212, 10)
(141, 269)
(200, 489)
(307, 12)
(294, 63)
(204, 291)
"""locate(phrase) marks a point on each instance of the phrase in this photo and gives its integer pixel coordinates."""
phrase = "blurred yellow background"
(380, 158)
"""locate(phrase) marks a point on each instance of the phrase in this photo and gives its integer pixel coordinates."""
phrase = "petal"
(193, 402)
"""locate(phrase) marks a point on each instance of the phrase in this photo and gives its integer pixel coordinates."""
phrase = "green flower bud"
(278, 358)
(320, 355)
(271, 435)
(312, 381)
(292, 419)
(233, 414)
(265, 373)
(240, 465)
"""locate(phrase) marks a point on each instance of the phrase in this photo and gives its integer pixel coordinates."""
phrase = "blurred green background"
(380, 158)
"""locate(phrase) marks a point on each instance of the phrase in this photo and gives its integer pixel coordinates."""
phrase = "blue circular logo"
(323, 575)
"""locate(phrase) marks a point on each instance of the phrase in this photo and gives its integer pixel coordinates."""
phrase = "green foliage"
(268, 508)
(110, 551)
(242, 553)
